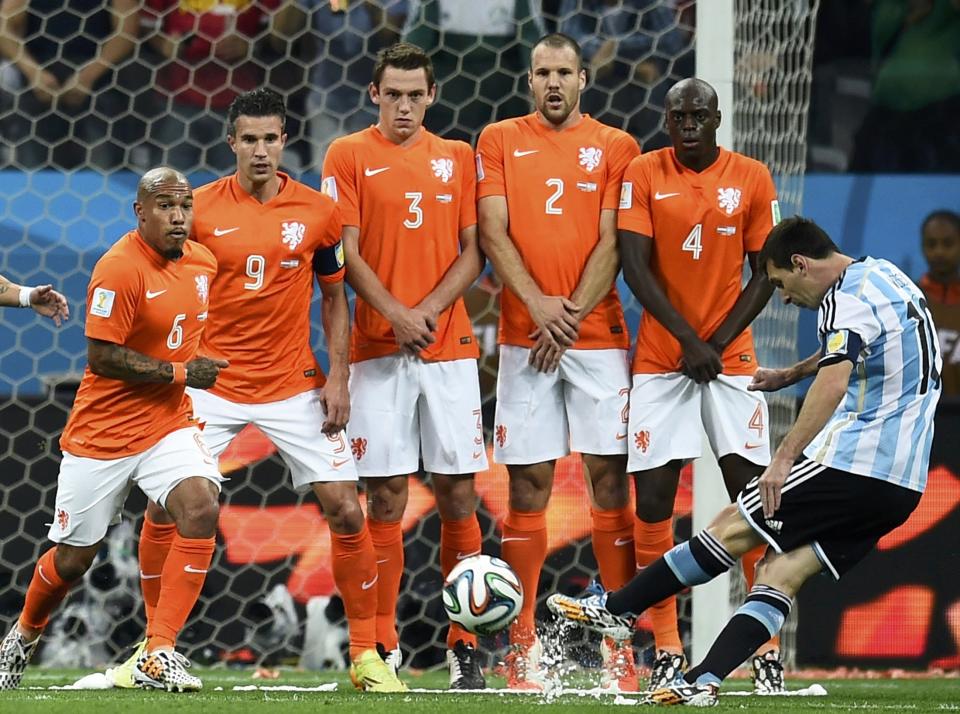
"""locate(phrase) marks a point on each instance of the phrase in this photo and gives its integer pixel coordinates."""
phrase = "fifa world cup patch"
(101, 304)
(837, 343)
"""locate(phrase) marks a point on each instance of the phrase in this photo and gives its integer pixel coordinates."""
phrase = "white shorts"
(91, 492)
(580, 407)
(292, 424)
(666, 411)
(402, 407)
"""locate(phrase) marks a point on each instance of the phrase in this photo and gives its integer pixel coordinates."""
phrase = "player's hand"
(769, 380)
(202, 372)
(49, 303)
(335, 399)
(45, 86)
(546, 352)
(557, 315)
(700, 361)
(413, 329)
(771, 484)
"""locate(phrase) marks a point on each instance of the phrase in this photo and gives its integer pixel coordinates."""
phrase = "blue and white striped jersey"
(884, 426)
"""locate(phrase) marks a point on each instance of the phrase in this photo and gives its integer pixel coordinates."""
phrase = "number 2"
(692, 243)
(551, 208)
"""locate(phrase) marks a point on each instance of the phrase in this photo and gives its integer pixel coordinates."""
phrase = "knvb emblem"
(203, 288)
(590, 157)
(642, 440)
(292, 233)
(359, 447)
(500, 433)
(728, 199)
(442, 169)
(63, 519)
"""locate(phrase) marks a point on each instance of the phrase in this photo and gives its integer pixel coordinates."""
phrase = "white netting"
(70, 167)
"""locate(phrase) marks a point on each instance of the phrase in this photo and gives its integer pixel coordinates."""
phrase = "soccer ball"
(482, 594)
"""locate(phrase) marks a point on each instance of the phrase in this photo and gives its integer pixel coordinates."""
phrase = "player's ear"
(374, 93)
(530, 80)
(583, 78)
(138, 210)
(719, 118)
(799, 262)
(431, 94)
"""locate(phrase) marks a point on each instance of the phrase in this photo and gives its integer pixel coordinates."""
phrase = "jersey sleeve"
(328, 260)
(468, 188)
(490, 175)
(623, 150)
(846, 324)
(764, 211)
(112, 299)
(339, 182)
(634, 214)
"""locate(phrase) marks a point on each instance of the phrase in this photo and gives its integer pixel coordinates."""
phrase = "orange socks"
(612, 536)
(458, 540)
(524, 547)
(181, 581)
(388, 545)
(651, 541)
(45, 592)
(355, 573)
(155, 542)
(749, 563)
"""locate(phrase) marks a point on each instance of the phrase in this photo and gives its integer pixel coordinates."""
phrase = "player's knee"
(198, 518)
(653, 505)
(343, 514)
(456, 497)
(529, 496)
(72, 562)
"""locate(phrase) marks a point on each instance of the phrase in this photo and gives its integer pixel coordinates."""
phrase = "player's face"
(165, 218)
(556, 81)
(941, 248)
(796, 286)
(692, 119)
(403, 97)
(258, 143)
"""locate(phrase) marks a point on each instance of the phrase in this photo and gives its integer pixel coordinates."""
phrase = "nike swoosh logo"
(463, 556)
(223, 231)
(622, 541)
(510, 538)
(42, 576)
(477, 454)
(191, 569)
(660, 196)
(753, 446)
(518, 153)
(144, 576)
(367, 586)
(374, 172)
(337, 464)
(151, 294)
(621, 437)
(385, 560)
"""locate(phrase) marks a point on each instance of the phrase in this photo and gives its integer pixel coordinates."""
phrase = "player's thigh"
(596, 392)
(295, 426)
(664, 422)
(180, 455)
(90, 497)
(451, 425)
(736, 420)
(222, 419)
(384, 426)
(530, 425)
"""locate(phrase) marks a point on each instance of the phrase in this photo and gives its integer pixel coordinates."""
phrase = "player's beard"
(173, 253)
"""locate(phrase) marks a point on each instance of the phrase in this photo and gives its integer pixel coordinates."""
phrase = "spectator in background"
(916, 94)
(940, 237)
(208, 48)
(480, 51)
(59, 99)
(629, 46)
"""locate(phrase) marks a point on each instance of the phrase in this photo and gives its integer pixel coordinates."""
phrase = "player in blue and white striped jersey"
(850, 470)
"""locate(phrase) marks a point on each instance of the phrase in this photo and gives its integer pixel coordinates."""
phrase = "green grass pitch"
(926, 695)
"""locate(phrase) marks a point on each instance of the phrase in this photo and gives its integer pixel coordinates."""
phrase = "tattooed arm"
(108, 359)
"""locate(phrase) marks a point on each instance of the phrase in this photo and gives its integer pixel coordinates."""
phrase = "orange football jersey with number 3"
(151, 305)
(260, 302)
(556, 183)
(702, 225)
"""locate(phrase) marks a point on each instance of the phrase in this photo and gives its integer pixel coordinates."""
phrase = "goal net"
(69, 173)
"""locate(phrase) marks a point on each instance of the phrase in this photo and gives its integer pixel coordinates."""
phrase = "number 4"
(693, 243)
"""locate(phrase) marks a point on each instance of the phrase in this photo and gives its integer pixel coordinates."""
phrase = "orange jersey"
(702, 226)
(556, 183)
(260, 302)
(410, 204)
(151, 305)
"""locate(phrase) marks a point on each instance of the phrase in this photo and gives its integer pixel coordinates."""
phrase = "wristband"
(25, 296)
(179, 373)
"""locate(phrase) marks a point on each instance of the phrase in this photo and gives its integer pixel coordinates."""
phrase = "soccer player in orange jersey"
(410, 236)
(548, 188)
(690, 215)
(271, 235)
(132, 423)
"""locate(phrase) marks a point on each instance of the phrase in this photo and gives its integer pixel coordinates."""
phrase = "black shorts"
(842, 515)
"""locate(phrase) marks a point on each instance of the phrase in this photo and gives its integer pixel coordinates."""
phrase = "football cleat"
(463, 661)
(392, 658)
(523, 667)
(667, 668)
(619, 666)
(121, 676)
(165, 669)
(15, 653)
(767, 673)
(369, 673)
(680, 692)
(591, 612)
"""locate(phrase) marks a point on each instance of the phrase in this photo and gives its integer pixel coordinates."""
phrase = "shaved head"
(161, 179)
(693, 87)
(692, 117)
(164, 209)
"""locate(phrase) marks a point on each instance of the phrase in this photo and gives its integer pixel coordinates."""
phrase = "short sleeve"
(339, 182)
(764, 211)
(328, 259)
(490, 176)
(623, 149)
(468, 187)
(842, 311)
(634, 214)
(112, 299)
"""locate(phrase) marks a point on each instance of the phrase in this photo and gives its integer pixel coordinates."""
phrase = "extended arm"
(336, 326)
(108, 359)
(751, 301)
(460, 276)
(42, 298)
(770, 380)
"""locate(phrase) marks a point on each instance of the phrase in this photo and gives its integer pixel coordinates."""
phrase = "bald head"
(161, 179)
(692, 119)
(693, 88)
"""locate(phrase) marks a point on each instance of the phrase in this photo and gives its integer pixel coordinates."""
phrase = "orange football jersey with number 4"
(556, 183)
(702, 225)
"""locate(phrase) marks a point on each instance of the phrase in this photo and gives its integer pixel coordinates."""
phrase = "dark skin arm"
(108, 359)
(701, 362)
(752, 300)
